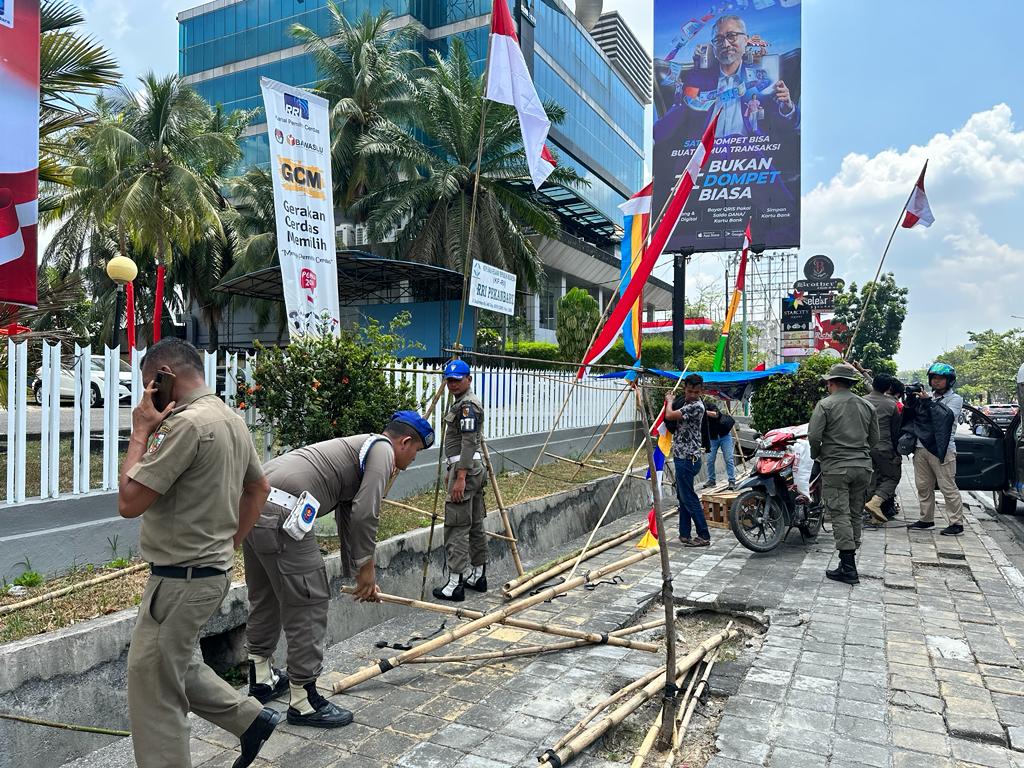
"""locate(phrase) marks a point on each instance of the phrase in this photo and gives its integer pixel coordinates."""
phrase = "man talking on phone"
(191, 472)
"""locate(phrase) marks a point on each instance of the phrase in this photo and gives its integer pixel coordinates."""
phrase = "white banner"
(300, 163)
(492, 288)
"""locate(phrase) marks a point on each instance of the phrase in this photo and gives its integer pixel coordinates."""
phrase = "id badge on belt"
(302, 517)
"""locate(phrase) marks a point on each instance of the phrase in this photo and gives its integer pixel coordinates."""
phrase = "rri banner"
(300, 162)
(741, 57)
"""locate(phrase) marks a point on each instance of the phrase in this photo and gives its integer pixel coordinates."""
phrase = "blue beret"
(456, 369)
(417, 422)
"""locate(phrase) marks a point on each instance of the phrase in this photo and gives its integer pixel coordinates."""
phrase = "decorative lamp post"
(121, 270)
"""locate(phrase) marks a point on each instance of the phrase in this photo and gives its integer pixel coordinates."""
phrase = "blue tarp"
(733, 378)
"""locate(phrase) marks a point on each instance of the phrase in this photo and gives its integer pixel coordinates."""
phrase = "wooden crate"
(716, 506)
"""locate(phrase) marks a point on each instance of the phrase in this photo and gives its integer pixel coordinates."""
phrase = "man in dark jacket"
(886, 462)
(719, 425)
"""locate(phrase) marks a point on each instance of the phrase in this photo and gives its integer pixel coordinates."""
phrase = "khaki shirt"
(464, 429)
(197, 460)
(330, 471)
(842, 431)
(885, 407)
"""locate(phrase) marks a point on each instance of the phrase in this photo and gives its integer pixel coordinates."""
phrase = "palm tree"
(430, 206)
(70, 65)
(365, 75)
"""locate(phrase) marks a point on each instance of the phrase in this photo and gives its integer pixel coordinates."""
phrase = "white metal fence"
(65, 418)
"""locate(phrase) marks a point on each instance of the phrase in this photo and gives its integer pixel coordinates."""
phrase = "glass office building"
(225, 46)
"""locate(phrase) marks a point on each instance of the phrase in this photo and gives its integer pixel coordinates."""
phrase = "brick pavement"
(917, 666)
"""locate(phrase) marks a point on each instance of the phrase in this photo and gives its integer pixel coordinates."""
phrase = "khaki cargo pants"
(166, 678)
(843, 494)
(930, 472)
(888, 469)
(465, 543)
(289, 589)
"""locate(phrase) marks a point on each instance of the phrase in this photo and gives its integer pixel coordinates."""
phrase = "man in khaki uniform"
(464, 540)
(287, 579)
(842, 430)
(886, 462)
(191, 471)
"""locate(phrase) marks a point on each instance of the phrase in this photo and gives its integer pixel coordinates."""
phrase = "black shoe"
(480, 582)
(890, 513)
(325, 714)
(263, 692)
(452, 590)
(256, 735)
(921, 525)
(731, 486)
(953, 530)
(844, 573)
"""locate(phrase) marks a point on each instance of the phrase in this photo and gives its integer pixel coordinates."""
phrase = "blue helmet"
(456, 369)
(943, 369)
(417, 422)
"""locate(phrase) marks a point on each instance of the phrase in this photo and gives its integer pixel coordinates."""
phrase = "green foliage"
(538, 351)
(878, 340)
(489, 340)
(319, 388)
(988, 369)
(786, 401)
(119, 562)
(577, 320)
(29, 579)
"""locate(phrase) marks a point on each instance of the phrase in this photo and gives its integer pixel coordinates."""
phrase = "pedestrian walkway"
(916, 666)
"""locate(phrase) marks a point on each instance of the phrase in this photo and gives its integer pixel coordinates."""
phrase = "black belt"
(178, 572)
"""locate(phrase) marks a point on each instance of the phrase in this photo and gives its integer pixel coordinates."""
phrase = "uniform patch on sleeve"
(157, 440)
(468, 420)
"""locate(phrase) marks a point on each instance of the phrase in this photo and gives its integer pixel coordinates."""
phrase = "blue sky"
(886, 84)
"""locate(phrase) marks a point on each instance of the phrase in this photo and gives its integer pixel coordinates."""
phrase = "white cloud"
(111, 16)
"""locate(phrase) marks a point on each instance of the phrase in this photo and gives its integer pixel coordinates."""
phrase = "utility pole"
(679, 309)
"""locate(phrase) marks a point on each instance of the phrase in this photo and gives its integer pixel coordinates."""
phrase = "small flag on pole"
(636, 224)
(918, 211)
(650, 538)
(509, 82)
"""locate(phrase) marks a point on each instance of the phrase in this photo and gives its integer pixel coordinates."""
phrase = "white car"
(96, 383)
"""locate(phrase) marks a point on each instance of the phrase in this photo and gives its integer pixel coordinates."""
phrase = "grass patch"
(118, 594)
(65, 464)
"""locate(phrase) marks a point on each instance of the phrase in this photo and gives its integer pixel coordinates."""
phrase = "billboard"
(740, 58)
(300, 163)
(19, 149)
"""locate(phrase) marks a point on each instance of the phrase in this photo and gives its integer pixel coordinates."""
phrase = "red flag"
(918, 211)
(666, 226)
(650, 537)
(129, 291)
(158, 302)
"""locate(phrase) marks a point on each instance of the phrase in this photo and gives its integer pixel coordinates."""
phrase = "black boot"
(325, 714)
(847, 570)
(255, 736)
(452, 590)
(264, 692)
(477, 578)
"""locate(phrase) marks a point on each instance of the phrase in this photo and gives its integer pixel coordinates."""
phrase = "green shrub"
(786, 401)
(319, 388)
(577, 320)
(29, 579)
(537, 351)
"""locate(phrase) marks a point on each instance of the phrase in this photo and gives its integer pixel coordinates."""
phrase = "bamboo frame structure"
(532, 626)
(680, 730)
(63, 726)
(575, 746)
(604, 434)
(533, 650)
(581, 463)
(12, 607)
(383, 665)
(505, 521)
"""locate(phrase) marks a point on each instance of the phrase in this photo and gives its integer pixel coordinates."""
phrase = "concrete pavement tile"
(817, 702)
(818, 742)
(860, 752)
(506, 748)
(744, 750)
(871, 710)
(917, 701)
(791, 758)
(310, 755)
(1016, 736)
(903, 759)
(980, 754)
(862, 728)
(429, 755)
(919, 684)
(934, 743)
(924, 721)
(984, 729)
(459, 736)
(861, 692)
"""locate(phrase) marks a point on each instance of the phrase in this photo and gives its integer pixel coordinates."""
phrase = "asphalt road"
(67, 419)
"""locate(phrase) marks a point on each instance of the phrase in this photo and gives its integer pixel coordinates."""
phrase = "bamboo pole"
(505, 521)
(580, 464)
(645, 746)
(383, 665)
(12, 607)
(670, 701)
(584, 739)
(532, 626)
(532, 650)
(501, 536)
(63, 726)
(437, 491)
(407, 507)
(681, 728)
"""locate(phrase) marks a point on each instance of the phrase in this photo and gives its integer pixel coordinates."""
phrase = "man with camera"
(932, 420)
(886, 462)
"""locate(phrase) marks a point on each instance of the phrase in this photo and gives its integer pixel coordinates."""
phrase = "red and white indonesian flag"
(509, 82)
(918, 211)
(19, 149)
(666, 226)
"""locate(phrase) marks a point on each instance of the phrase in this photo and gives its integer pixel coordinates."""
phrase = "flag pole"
(878, 272)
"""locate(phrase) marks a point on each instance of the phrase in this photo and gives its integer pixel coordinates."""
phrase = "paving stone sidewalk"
(917, 666)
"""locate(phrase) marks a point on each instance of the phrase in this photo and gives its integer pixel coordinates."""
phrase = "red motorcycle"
(783, 492)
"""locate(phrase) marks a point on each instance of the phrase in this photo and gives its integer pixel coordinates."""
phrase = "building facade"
(225, 46)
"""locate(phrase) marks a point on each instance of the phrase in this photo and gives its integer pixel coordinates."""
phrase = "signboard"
(819, 286)
(19, 149)
(797, 351)
(819, 267)
(300, 164)
(796, 320)
(742, 59)
(492, 288)
(825, 330)
(798, 338)
(818, 302)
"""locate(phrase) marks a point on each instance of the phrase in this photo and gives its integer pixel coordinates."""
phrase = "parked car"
(992, 459)
(97, 386)
(1001, 413)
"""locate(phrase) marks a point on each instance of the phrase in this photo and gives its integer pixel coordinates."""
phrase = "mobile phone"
(164, 384)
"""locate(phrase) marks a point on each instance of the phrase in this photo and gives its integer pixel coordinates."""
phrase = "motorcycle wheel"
(757, 521)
